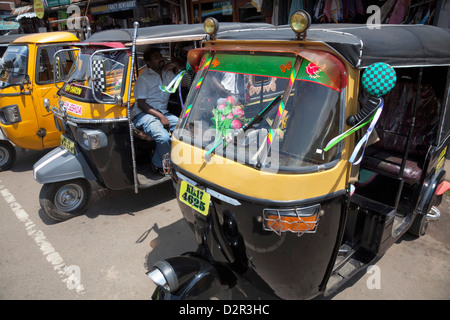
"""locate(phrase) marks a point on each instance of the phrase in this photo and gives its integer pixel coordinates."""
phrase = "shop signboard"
(112, 7)
(9, 25)
(38, 8)
(55, 3)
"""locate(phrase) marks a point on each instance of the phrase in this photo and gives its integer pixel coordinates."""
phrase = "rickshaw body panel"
(61, 165)
(234, 235)
(114, 158)
(22, 133)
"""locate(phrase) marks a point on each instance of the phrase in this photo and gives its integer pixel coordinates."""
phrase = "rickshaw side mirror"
(377, 80)
(98, 76)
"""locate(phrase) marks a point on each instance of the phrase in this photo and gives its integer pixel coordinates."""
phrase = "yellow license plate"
(67, 144)
(194, 197)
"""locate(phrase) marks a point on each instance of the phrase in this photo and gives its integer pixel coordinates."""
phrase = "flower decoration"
(228, 115)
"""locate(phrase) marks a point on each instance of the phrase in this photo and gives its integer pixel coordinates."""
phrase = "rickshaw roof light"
(300, 22)
(211, 26)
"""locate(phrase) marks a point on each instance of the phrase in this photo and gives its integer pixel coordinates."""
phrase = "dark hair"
(149, 52)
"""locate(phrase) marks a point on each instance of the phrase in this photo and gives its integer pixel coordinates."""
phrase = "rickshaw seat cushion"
(384, 162)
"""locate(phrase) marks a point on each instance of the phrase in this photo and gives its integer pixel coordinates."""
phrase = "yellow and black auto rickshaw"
(302, 154)
(26, 78)
(100, 146)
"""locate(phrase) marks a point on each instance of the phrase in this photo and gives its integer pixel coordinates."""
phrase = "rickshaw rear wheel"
(7, 155)
(66, 199)
(419, 225)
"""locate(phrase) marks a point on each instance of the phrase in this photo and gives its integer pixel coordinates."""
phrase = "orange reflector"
(298, 220)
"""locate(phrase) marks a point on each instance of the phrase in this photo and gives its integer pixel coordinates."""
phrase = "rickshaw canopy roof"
(397, 45)
(166, 33)
(47, 37)
(10, 38)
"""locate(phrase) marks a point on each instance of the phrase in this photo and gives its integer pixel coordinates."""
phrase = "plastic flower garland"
(227, 116)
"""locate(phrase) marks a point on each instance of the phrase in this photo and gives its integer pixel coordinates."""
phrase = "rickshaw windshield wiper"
(257, 119)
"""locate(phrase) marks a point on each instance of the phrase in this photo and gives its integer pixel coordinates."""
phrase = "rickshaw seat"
(381, 161)
(385, 156)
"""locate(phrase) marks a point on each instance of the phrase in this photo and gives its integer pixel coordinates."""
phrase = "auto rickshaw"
(327, 146)
(26, 78)
(100, 145)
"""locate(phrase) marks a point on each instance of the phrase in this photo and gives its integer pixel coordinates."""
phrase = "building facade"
(104, 14)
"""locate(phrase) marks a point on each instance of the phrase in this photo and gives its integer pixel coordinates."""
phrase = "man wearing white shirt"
(150, 113)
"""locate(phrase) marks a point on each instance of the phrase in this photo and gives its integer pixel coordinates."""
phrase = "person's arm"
(145, 107)
(140, 91)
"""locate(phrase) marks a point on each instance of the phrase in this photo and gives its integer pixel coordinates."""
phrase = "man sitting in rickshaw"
(151, 114)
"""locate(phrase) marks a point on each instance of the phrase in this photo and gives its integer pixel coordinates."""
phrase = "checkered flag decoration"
(98, 75)
(57, 70)
(378, 79)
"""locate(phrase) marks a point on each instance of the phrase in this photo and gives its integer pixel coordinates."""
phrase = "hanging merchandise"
(399, 12)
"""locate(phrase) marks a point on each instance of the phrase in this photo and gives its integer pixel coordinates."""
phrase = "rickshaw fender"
(61, 165)
(428, 192)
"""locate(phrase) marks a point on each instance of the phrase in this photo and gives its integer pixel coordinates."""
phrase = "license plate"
(68, 144)
(194, 197)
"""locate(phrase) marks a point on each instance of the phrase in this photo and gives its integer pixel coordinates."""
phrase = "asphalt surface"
(105, 253)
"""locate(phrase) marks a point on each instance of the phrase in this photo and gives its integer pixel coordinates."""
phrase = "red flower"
(312, 69)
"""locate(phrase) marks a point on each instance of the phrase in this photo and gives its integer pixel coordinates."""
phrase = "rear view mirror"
(98, 76)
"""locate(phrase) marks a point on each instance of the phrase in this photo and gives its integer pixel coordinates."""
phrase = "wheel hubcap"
(4, 156)
(69, 197)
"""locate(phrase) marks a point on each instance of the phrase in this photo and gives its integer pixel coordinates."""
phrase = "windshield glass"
(13, 66)
(113, 69)
(232, 89)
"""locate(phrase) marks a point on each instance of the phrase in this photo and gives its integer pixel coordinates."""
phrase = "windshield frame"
(85, 54)
(25, 74)
(339, 107)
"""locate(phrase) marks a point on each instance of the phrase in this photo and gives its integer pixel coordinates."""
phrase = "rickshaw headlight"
(211, 26)
(10, 114)
(298, 220)
(92, 139)
(300, 22)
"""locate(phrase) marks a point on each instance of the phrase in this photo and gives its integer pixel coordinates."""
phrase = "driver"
(151, 114)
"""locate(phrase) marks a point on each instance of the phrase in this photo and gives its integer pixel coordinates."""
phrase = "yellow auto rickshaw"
(26, 78)
(323, 145)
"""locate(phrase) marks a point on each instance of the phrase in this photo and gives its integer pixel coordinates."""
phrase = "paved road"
(104, 254)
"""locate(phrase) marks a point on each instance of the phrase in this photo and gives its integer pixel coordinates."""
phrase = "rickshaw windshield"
(13, 66)
(78, 84)
(231, 89)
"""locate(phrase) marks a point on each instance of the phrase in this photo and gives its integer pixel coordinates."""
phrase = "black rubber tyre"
(7, 155)
(66, 199)
(419, 225)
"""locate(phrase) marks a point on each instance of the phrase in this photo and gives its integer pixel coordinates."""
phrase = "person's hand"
(165, 122)
(172, 66)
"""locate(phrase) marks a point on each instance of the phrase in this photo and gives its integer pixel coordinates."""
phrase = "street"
(105, 253)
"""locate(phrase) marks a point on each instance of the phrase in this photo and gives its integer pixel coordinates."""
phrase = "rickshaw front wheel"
(66, 199)
(7, 155)
(419, 225)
